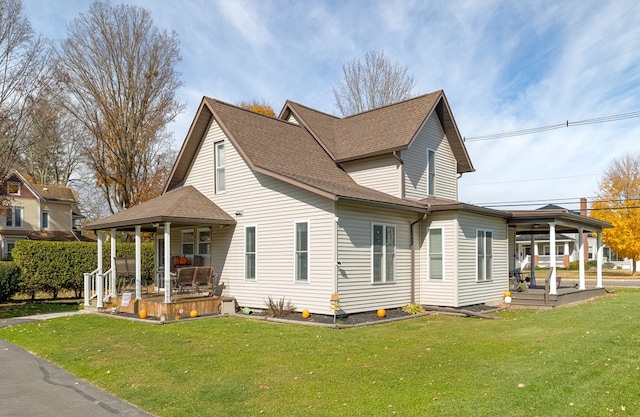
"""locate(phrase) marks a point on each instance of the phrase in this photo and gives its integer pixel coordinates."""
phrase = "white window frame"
(14, 183)
(44, 219)
(203, 242)
(192, 243)
(384, 278)
(220, 168)
(10, 218)
(248, 253)
(298, 252)
(484, 260)
(430, 257)
(431, 172)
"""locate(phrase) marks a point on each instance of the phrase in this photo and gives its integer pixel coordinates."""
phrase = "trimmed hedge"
(54, 266)
(9, 280)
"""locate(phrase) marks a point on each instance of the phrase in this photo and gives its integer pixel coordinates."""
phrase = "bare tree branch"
(374, 83)
(119, 70)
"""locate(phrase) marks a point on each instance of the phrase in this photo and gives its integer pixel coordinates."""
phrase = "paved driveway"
(33, 387)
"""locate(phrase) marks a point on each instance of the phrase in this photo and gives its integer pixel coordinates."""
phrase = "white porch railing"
(100, 286)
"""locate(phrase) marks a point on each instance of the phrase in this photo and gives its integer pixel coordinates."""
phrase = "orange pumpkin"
(142, 314)
(381, 312)
(194, 313)
(507, 293)
(305, 314)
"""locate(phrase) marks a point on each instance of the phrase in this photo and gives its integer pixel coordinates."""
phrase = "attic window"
(13, 188)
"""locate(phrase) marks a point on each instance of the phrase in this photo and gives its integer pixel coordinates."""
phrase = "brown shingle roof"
(382, 130)
(53, 192)
(185, 205)
(289, 152)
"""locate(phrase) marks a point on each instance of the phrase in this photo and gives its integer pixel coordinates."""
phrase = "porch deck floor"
(535, 297)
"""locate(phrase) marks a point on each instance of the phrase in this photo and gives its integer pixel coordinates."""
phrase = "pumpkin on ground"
(305, 314)
(381, 312)
(194, 313)
(142, 314)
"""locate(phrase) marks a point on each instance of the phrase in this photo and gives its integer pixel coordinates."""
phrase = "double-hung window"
(187, 242)
(484, 244)
(250, 252)
(44, 221)
(204, 242)
(383, 237)
(13, 217)
(431, 172)
(436, 249)
(220, 160)
(302, 251)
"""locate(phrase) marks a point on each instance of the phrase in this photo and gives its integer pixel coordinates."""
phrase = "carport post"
(582, 283)
(99, 277)
(553, 287)
(599, 261)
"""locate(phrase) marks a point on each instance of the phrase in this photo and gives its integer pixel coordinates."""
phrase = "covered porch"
(553, 222)
(182, 209)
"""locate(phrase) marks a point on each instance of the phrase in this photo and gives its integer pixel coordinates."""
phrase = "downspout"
(413, 257)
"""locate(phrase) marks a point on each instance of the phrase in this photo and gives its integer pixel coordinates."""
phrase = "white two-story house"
(307, 205)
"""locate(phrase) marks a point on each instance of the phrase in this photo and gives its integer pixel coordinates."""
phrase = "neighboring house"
(308, 205)
(37, 212)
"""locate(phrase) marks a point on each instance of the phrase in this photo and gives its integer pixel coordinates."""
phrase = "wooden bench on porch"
(197, 279)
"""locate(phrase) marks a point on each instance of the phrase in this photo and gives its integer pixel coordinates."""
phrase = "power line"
(521, 132)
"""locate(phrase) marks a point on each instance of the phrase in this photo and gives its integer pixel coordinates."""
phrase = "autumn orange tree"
(618, 202)
(256, 106)
(118, 70)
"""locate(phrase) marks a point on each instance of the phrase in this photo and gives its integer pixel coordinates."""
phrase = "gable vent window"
(13, 188)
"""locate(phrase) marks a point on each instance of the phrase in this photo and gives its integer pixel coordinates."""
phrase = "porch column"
(553, 286)
(167, 262)
(113, 289)
(534, 254)
(599, 260)
(138, 264)
(99, 278)
(582, 283)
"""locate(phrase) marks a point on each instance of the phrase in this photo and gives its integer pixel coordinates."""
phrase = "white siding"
(415, 159)
(470, 291)
(355, 286)
(440, 292)
(272, 206)
(380, 173)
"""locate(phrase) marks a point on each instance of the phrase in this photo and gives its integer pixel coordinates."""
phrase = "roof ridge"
(224, 103)
(394, 104)
(315, 110)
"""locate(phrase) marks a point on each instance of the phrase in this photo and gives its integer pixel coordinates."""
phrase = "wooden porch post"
(553, 287)
(138, 264)
(599, 260)
(581, 277)
(99, 278)
(167, 262)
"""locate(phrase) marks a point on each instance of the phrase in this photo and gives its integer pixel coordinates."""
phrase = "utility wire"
(512, 133)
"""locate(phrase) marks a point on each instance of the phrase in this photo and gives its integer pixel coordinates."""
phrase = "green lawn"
(573, 361)
(30, 308)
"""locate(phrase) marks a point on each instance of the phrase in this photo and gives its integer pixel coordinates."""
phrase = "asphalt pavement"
(33, 387)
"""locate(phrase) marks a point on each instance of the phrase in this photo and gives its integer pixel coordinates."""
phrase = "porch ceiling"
(185, 205)
(537, 222)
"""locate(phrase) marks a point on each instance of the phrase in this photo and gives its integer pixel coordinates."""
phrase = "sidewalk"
(33, 387)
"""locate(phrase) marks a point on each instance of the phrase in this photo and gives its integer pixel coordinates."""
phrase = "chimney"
(583, 206)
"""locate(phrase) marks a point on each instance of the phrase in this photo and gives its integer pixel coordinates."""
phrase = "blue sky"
(504, 66)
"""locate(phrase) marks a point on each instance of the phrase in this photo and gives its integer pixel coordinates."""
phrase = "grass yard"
(30, 308)
(572, 361)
